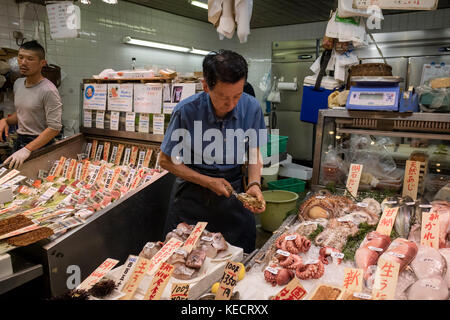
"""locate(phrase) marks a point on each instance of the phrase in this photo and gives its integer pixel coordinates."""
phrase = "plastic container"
(270, 174)
(289, 184)
(278, 204)
(293, 170)
(267, 149)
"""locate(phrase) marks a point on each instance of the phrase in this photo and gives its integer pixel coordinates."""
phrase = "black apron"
(24, 139)
(192, 203)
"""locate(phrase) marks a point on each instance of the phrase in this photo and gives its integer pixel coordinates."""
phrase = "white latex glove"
(17, 158)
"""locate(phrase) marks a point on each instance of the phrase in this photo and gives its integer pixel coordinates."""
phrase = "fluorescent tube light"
(153, 44)
(197, 51)
(164, 46)
(199, 4)
(110, 1)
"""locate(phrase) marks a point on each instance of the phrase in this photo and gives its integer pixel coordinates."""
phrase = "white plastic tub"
(293, 170)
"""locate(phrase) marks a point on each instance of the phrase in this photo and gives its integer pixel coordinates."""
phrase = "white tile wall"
(103, 27)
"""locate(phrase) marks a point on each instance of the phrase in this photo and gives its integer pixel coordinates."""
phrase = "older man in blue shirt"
(205, 147)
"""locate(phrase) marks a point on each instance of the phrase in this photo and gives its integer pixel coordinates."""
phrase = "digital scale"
(374, 93)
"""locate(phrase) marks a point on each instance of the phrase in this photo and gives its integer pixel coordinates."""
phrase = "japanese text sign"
(411, 180)
(98, 274)
(180, 291)
(386, 278)
(190, 242)
(136, 277)
(353, 279)
(163, 254)
(354, 175)
(387, 221)
(159, 282)
(228, 281)
(429, 235)
(293, 291)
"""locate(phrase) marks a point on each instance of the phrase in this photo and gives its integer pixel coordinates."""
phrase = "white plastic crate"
(293, 170)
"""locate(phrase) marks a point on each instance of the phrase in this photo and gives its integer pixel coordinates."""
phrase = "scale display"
(373, 98)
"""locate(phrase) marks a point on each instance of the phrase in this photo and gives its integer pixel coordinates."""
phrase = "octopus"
(293, 243)
(282, 277)
(292, 262)
(325, 206)
(326, 252)
(310, 271)
(336, 234)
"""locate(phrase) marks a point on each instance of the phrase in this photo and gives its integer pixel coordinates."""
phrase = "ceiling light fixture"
(85, 1)
(199, 4)
(110, 1)
(164, 46)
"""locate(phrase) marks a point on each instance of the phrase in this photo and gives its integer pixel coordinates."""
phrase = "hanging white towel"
(226, 24)
(243, 11)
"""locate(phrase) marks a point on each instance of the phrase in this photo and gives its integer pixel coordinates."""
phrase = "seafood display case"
(124, 225)
(332, 231)
(382, 142)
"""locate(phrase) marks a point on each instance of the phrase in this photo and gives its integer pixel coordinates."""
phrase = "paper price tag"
(374, 249)
(94, 149)
(115, 119)
(364, 296)
(180, 291)
(133, 156)
(9, 176)
(144, 120)
(98, 274)
(126, 273)
(293, 291)
(119, 154)
(142, 266)
(292, 237)
(429, 234)
(386, 277)
(283, 253)
(411, 179)
(272, 270)
(100, 120)
(114, 154)
(387, 221)
(158, 124)
(191, 241)
(354, 176)
(353, 279)
(228, 281)
(98, 154)
(148, 157)
(159, 282)
(126, 157)
(129, 121)
(106, 151)
(87, 119)
(141, 159)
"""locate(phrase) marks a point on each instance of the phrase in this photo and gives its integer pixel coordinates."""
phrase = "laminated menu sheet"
(174, 93)
(148, 97)
(120, 97)
(94, 97)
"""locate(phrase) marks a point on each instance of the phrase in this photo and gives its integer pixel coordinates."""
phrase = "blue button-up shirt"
(198, 138)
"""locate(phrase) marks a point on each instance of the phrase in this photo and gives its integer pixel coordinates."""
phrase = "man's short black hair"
(35, 47)
(224, 65)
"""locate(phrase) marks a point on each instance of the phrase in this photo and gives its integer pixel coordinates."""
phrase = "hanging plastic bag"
(333, 167)
(433, 100)
(264, 84)
(274, 95)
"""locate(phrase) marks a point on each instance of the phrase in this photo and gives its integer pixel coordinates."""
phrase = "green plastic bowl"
(278, 204)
